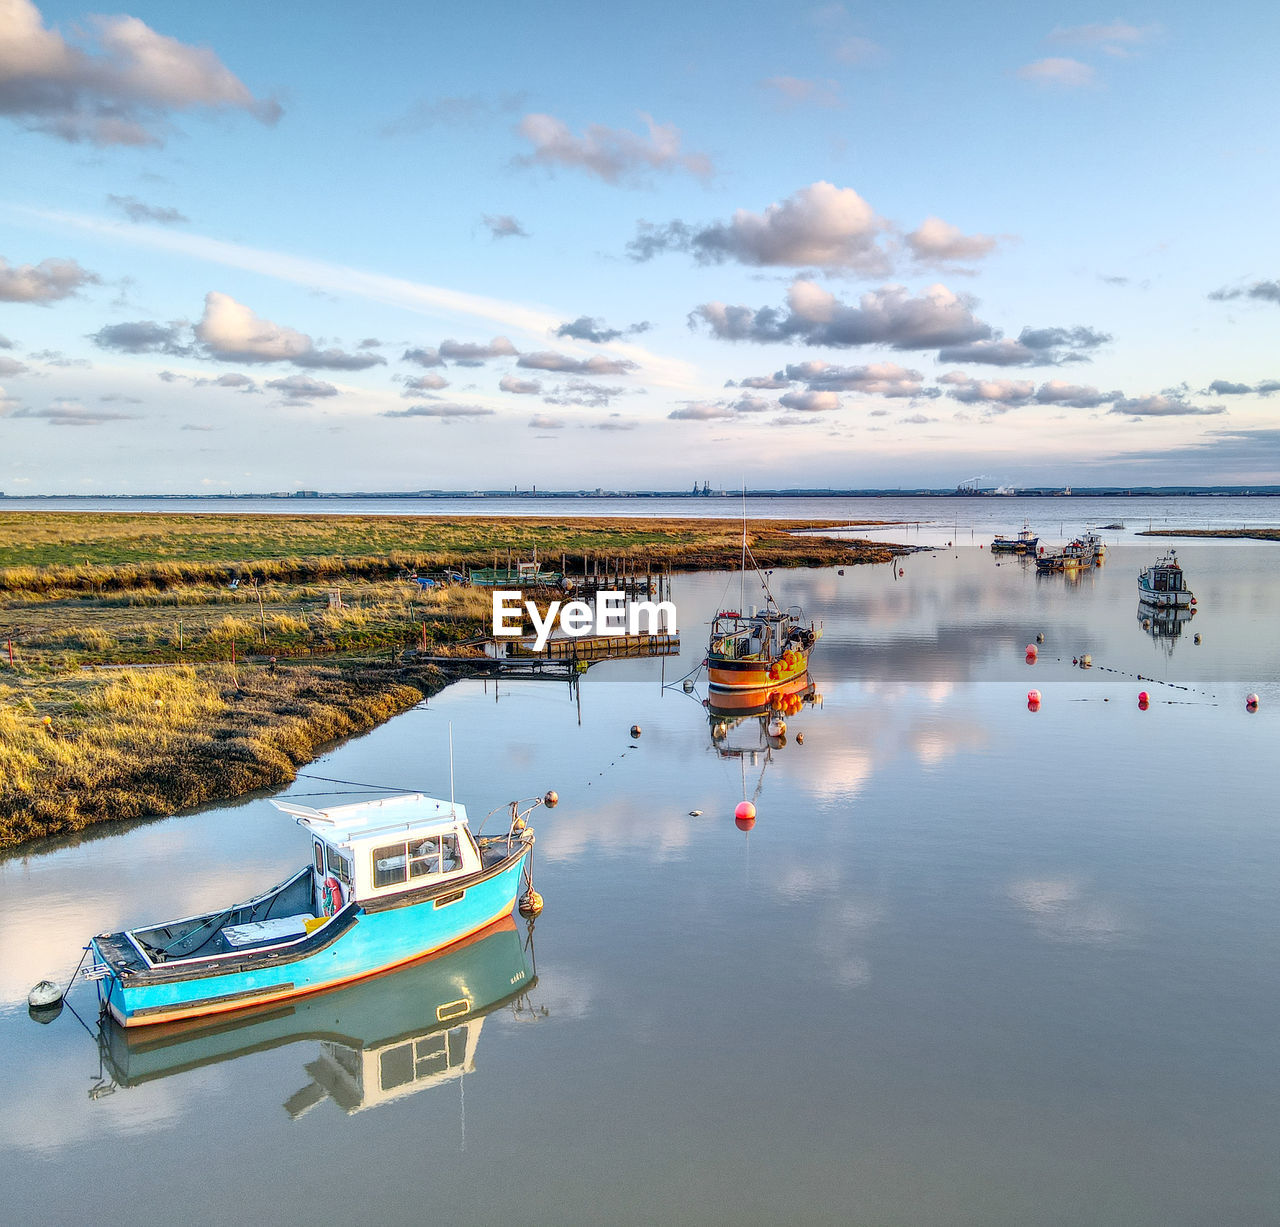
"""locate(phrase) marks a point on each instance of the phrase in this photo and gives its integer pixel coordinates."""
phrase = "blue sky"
(251, 248)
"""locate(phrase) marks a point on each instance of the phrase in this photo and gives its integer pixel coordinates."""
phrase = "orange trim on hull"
(269, 998)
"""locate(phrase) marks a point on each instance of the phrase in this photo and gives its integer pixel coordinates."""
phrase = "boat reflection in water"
(379, 1040)
(1165, 624)
(754, 721)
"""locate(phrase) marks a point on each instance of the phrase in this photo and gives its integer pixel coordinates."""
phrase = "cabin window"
(390, 864)
(435, 854)
(319, 858)
(339, 866)
(420, 857)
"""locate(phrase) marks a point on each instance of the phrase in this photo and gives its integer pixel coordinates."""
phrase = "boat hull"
(727, 677)
(754, 702)
(356, 943)
(1166, 600)
(468, 981)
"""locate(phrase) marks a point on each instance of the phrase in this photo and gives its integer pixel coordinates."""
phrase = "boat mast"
(742, 574)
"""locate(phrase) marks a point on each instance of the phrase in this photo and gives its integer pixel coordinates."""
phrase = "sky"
(254, 248)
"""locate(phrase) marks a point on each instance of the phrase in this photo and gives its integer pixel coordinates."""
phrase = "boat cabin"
(1164, 576)
(767, 632)
(370, 852)
(373, 849)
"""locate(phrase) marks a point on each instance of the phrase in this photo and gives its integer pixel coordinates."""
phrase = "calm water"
(973, 964)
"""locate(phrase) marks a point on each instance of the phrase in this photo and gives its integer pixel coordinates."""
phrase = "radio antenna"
(453, 812)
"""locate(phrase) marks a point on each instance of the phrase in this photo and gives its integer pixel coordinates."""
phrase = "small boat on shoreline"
(1164, 586)
(391, 880)
(1024, 543)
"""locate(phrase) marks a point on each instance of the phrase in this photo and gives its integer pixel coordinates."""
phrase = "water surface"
(972, 964)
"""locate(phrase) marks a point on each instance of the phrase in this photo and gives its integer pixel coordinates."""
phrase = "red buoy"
(1143, 697)
(1251, 702)
(746, 812)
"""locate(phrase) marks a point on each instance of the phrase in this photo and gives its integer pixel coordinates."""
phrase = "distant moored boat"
(1163, 585)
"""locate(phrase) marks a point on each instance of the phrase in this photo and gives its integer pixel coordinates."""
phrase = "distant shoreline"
(312, 496)
(1253, 534)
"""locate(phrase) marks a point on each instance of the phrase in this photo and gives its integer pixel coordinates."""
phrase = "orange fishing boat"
(758, 650)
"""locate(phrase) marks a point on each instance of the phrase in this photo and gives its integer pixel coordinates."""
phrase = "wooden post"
(10, 642)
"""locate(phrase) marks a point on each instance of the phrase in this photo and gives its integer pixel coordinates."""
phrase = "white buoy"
(688, 685)
(43, 995)
(776, 728)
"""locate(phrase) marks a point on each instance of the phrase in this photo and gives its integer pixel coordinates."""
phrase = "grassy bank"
(125, 743)
(1251, 534)
(142, 679)
(78, 551)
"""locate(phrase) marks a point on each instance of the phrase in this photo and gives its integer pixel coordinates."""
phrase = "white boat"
(1164, 586)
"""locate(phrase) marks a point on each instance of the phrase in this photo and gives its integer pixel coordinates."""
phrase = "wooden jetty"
(516, 658)
(591, 648)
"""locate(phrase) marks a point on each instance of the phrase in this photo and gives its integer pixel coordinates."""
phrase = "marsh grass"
(128, 743)
(77, 550)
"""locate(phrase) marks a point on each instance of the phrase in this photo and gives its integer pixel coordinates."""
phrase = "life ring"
(331, 893)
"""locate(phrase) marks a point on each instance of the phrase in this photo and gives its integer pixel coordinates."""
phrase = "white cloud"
(937, 242)
(1060, 73)
(522, 387)
(597, 364)
(700, 411)
(439, 409)
(810, 402)
(417, 384)
(301, 389)
(1006, 392)
(611, 154)
(888, 316)
(504, 226)
(118, 93)
(821, 225)
(46, 282)
(232, 332)
(878, 379)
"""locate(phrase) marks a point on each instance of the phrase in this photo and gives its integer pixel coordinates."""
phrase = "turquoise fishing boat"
(366, 1044)
(391, 880)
